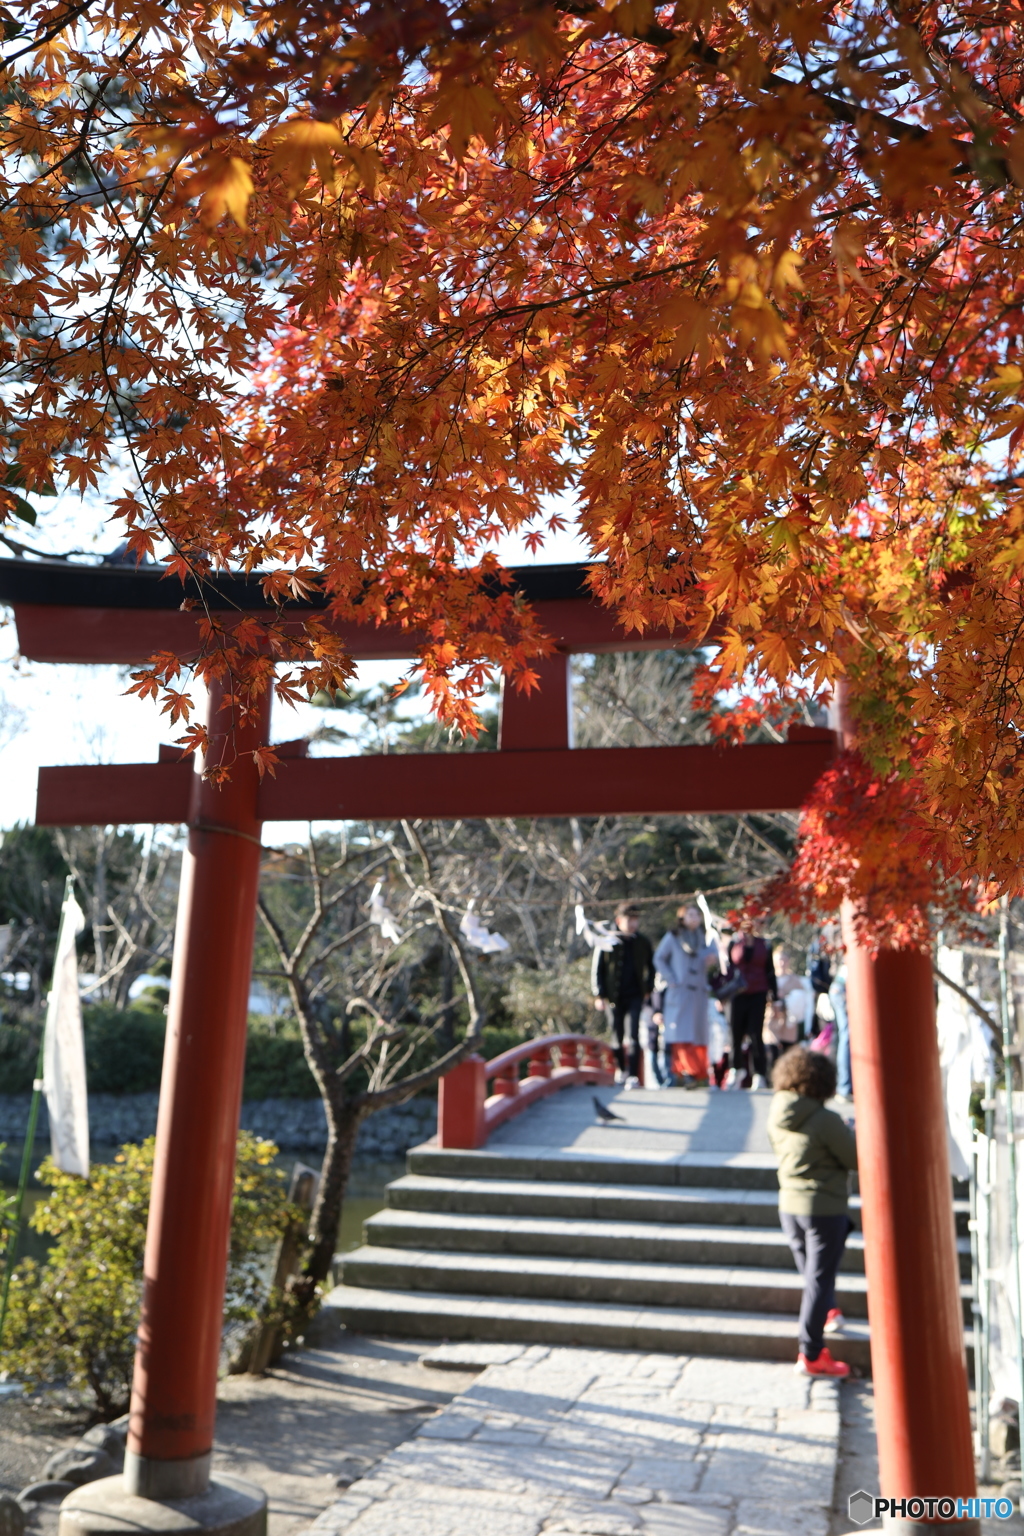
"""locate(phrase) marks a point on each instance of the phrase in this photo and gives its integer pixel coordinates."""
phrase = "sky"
(54, 714)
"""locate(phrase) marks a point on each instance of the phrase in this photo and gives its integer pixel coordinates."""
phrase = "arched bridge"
(656, 1231)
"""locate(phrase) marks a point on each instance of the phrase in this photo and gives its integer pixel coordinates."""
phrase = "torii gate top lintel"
(113, 614)
(123, 614)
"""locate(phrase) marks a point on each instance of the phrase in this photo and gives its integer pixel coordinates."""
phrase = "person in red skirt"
(685, 960)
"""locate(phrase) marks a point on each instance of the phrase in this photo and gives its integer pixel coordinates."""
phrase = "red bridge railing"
(466, 1114)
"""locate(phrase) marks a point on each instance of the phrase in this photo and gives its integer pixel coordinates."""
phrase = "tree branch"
(954, 986)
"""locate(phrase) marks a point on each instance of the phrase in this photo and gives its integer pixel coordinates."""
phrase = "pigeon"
(604, 1113)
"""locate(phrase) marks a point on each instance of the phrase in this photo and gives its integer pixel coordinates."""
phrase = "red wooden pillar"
(918, 1357)
(461, 1094)
(170, 1435)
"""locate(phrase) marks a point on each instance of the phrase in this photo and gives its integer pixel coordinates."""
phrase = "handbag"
(728, 986)
(822, 1041)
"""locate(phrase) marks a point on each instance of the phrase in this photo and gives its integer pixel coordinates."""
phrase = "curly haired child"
(816, 1150)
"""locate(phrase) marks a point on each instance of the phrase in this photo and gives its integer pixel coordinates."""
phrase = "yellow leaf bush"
(72, 1319)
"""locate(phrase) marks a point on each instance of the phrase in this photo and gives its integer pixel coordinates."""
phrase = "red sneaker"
(835, 1321)
(823, 1366)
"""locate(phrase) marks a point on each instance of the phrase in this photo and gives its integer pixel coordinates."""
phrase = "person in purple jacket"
(750, 955)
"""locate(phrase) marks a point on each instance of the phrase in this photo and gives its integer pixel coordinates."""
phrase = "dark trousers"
(624, 1013)
(746, 1017)
(654, 1048)
(817, 1243)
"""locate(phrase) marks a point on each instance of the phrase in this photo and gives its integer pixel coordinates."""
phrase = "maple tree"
(864, 841)
(352, 290)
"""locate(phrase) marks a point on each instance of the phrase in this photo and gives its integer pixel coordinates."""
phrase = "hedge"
(124, 1054)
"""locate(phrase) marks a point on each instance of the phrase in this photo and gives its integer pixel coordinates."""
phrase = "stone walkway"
(584, 1442)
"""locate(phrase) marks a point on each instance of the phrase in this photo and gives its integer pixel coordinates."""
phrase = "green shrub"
(124, 1048)
(72, 1319)
(19, 1052)
(494, 1041)
(553, 1001)
(275, 1066)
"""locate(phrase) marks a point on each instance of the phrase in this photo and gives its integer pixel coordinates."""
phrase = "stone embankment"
(296, 1125)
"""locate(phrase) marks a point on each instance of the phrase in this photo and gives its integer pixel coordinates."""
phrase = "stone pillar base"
(229, 1507)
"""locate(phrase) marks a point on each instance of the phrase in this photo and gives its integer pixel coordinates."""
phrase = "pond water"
(354, 1213)
(364, 1198)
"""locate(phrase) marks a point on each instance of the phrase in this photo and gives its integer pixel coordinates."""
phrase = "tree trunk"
(446, 1034)
(342, 1128)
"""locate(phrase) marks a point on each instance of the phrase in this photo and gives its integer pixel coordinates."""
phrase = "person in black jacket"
(622, 980)
(750, 959)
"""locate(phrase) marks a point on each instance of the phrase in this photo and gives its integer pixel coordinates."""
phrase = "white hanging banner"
(382, 917)
(965, 1057)
(67, 1101)
(480, 937)
(601, 936)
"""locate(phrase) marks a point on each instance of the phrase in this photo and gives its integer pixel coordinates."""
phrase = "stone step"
(738, 1170)
(677, 1330)
(647, 1242)
(610, 1202)
(704, 1286)
(568, 1200)
(638, 1241)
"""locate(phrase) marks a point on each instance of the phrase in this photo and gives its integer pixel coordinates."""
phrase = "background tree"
(126, 883)
(32, 877)
(129, 883)
(127, 886)
(368, 1042)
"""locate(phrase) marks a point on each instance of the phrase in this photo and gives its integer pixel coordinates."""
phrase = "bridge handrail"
(466, 1115)
(532, 1050)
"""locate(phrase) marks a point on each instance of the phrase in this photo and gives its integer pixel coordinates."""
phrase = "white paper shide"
(64, 1052)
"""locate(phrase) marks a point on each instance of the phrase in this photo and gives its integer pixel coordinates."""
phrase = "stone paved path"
(584, 1442)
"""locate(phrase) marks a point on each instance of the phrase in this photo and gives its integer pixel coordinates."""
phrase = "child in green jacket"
(816, 1150)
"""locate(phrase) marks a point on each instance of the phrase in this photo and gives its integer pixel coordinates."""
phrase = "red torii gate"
(109, 614)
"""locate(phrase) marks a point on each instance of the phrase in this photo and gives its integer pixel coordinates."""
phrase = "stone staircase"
(541, 1246)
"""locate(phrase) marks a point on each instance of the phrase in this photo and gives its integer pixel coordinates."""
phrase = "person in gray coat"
(685, 959)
